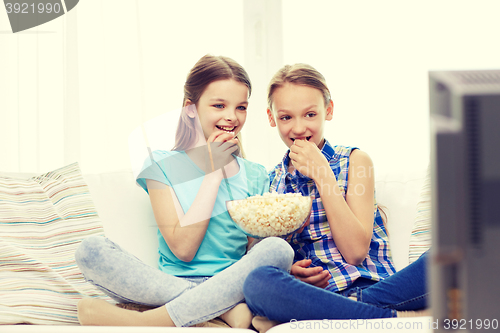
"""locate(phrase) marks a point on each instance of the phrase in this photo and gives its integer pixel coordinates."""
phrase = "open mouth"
(226, 128)
(306, 138)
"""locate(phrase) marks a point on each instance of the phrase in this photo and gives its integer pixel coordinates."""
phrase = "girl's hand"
(308, 159)
(221, 147)
(315, 276)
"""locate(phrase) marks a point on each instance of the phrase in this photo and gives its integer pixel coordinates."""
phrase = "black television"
(464, 261)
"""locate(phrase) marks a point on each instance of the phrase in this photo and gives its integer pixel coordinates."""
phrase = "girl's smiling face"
(300, 113)
(223, 106)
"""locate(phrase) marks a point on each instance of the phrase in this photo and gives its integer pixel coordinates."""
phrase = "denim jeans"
(188, 300)
(277, 295)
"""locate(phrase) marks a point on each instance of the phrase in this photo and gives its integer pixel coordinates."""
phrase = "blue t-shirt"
(224, 243)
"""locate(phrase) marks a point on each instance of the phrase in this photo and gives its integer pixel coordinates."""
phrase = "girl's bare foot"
(99, 312)
(420, 313)
(262, 324)
(238, 317)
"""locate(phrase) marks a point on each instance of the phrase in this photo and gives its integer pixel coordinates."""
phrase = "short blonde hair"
(301, 74)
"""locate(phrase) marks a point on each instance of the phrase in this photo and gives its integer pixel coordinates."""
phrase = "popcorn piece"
(271, 214)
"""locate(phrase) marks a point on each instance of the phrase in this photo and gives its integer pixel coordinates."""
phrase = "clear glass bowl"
(261, 217)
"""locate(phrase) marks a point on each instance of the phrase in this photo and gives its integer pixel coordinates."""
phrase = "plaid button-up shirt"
(316, 241)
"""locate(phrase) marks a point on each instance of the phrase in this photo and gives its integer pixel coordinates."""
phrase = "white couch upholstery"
(126, 214)
(128, 219)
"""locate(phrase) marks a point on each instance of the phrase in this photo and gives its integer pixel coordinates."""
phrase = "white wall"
(108, 65)
(376, 55)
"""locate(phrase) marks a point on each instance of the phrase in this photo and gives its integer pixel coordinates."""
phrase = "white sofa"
(126, 214)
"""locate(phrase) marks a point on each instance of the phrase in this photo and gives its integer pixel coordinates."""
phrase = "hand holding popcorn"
(307, 158)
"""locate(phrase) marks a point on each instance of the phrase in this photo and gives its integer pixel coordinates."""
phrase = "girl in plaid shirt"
(344, 250)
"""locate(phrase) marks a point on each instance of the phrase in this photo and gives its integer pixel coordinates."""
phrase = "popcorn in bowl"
(271, 214)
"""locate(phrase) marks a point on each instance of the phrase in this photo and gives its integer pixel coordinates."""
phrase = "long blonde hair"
(207, 70)
(301, 74)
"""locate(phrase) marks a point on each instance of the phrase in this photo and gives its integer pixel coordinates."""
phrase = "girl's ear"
(271, 118)
(190, 109)
(329, 111)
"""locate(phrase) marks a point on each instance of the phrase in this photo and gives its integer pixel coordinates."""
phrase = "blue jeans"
(188, 300)
(277, 295)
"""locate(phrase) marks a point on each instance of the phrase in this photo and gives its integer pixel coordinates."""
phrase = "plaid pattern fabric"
(316, 242)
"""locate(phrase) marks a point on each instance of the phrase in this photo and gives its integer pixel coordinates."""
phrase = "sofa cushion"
(420, 238)
(126, 213)
(42, 221)
(399, 191)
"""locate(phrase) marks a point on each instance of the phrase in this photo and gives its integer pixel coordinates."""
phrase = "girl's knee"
(263, 286)
(89, 250)
(258, 281)
(278, 251)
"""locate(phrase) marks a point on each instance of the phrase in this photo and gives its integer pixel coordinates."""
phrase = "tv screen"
(465, 171)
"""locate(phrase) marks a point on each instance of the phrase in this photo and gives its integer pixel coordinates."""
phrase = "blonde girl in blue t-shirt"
(203, 261)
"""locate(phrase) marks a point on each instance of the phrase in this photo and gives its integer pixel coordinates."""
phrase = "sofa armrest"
(399, 192)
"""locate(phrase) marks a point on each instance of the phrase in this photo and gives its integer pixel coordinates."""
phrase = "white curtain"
(74, 88)
(31, 96)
